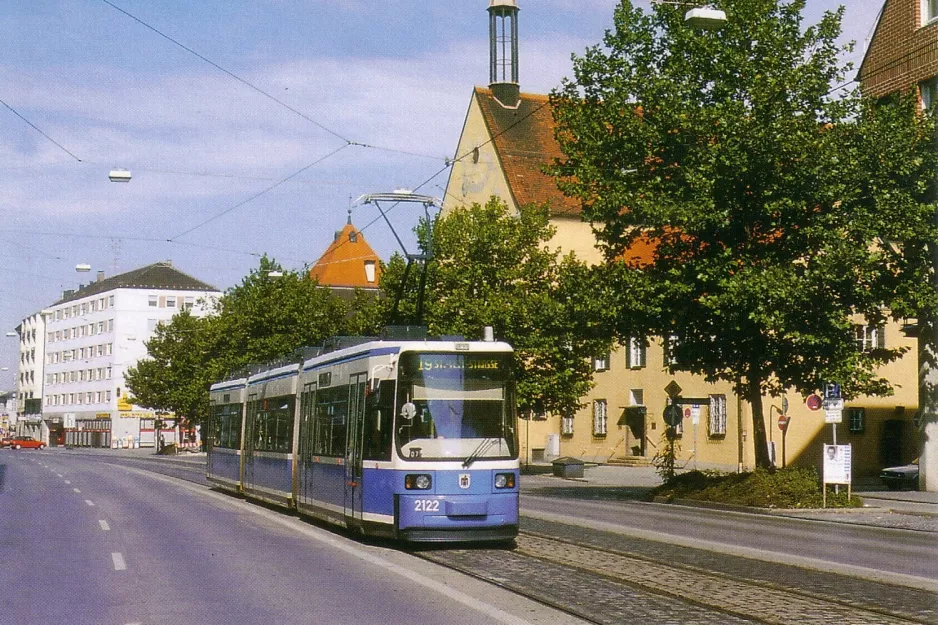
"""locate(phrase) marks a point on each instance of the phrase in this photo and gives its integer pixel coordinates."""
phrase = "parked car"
(6, 441)
(25, 442)
(905, 476)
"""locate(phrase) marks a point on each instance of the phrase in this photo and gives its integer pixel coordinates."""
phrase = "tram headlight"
(417, 482)
(504, 480)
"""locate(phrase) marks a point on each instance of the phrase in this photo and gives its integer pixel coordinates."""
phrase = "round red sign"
(814, 402)
(782, 422)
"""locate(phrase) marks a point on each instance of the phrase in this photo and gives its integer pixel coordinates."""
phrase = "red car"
(26, 442)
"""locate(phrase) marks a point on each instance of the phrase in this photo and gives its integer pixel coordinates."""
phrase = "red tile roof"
(524, 141)
(343, 262)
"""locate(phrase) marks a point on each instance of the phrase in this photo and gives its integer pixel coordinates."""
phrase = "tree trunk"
(759, 441)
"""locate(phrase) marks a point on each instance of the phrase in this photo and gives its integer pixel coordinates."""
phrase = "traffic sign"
(832, 391)
(813, 402)
(673, 415)
(783, 421)
(673, 389)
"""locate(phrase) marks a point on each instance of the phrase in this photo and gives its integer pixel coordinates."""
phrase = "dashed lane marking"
(67, 482)
(76, 490)
(118, 559)
(104, 526)
(89, 502)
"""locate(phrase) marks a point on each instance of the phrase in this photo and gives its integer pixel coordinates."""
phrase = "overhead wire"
(37, 129)
(257, 195)
(226, 71)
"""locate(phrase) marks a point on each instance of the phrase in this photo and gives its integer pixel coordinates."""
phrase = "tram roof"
(226, 385)
(378, 348)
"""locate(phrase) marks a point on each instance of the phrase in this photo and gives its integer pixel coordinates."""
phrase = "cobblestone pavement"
(591, 596)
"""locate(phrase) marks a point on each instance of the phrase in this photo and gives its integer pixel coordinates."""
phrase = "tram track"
(625, 586)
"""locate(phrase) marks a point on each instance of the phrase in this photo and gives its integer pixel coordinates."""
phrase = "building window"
(600, 410)
(637, 397)
(929, 11)
(929, 91)
(189, 303)
(856, 419)
(718, 415)
(869, 338)
(171, 302)
(636, 353)
(601, 363)
(670, 350)
(153, 301)
(566, 425)
(151, 325)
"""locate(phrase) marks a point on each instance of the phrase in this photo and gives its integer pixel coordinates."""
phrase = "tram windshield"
(455, 407)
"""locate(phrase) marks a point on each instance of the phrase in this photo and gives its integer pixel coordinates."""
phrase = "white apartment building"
(93, 335)
(32, 335)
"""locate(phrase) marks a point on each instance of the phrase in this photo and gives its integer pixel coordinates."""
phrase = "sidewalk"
(883, 508)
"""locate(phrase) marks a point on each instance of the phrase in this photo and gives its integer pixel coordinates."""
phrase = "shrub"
(783, 488)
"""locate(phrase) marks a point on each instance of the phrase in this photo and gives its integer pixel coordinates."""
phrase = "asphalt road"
(894, 555)
(88, 542)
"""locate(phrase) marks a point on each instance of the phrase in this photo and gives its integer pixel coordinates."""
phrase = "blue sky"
(395, 74)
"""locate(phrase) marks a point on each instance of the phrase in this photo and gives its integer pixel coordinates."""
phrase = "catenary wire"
(37, 129)
(257, 195)
(228, 72)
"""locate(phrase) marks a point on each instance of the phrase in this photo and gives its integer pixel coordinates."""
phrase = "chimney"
(503, 52)
(100, 276)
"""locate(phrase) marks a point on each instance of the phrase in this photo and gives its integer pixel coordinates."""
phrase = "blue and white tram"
(223, 465)
(414, 440)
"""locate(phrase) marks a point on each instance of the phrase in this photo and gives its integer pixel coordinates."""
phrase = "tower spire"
(503, 51)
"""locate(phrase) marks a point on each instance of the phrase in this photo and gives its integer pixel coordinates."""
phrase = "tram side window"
(227, 422)
(377, 429)
(331, 422)
(273, 429)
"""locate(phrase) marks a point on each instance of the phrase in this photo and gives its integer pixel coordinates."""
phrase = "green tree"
(492, 268)
(179, 368)
(262, 319)
(769, 210)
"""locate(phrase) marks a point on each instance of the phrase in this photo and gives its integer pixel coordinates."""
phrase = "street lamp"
(119, 175)
(705, 18)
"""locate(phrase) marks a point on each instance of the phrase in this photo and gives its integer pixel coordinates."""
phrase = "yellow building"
(506, 140)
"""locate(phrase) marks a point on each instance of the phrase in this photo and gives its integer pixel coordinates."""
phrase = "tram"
(411, 440)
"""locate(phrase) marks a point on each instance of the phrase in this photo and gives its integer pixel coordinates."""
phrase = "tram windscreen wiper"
(478, 451)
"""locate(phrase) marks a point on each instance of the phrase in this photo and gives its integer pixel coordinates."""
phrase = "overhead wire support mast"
(424, 258)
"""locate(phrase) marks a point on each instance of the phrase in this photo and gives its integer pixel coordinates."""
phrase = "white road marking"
(58, 475)
(118, 559)
(104, 526)
(76, 490)
(89, 502)
(67, 482)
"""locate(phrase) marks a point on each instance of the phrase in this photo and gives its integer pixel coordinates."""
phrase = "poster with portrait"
(837, 464)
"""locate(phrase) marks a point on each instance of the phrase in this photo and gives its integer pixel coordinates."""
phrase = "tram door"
(353, 446)
(307, 429)
(250, 426)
